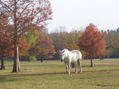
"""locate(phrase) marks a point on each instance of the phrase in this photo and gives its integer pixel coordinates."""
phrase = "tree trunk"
(92, 64)
(2, 64)
(16, 66)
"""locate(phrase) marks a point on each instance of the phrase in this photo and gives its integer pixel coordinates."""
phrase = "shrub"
(33, 58)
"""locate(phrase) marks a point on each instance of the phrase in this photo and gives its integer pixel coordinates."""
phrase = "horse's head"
(63, 54)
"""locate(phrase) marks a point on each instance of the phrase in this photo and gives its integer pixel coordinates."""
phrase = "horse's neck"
(68, 53)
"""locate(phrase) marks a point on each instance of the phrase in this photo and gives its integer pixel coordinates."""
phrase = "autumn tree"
(32, 38)
(22, 13)
(92, 43)
(7, 46)
(43, 48)
(4, 38)
(72, 40)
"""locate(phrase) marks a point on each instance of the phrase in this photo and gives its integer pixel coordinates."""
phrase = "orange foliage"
(92, 42)
(7, 45)
(23, 46)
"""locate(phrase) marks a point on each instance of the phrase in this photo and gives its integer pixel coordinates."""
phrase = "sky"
(77, 14)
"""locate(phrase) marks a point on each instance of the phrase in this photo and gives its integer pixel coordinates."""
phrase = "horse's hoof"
(80, 72)
(66, 72)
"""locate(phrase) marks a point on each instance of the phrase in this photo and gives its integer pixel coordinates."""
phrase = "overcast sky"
(79, 13)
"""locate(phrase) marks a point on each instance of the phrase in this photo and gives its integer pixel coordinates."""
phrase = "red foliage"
(44, 48)
(92, 42)
(7, 45)
(23, 46)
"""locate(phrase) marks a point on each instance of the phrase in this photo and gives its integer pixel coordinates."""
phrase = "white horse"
(70, 57)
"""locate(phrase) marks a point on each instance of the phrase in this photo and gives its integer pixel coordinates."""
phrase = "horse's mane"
(65, 50)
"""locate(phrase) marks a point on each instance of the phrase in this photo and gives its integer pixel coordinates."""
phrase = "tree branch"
(2, 3)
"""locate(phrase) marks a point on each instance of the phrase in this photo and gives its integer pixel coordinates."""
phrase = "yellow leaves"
(80, 34)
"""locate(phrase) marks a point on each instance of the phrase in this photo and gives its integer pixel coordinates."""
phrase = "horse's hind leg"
(75, 67)
(69, 68)
(80, 66)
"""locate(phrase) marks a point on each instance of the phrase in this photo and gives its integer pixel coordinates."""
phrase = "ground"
(51, 75)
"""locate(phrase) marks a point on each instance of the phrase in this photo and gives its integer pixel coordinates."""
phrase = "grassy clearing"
(51, 75)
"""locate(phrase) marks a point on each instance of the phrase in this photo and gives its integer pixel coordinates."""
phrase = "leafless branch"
(2, 3)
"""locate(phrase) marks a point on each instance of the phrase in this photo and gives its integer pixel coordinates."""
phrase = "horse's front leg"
(66, 67)
(69, 68)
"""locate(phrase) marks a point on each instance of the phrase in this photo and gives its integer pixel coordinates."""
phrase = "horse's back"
(77, 53)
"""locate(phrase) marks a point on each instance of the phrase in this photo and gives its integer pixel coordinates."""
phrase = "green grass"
(51, 75)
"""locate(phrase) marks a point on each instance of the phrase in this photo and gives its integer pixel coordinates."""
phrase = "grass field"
(51, 75)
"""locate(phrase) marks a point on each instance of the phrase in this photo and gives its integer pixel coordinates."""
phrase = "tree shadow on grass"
(105, 85)
(12, 77)
(102, 70)
(9, 78)
(20, 77)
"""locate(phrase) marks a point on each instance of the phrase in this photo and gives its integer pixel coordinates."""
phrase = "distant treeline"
(70, 40)
(40, 45)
